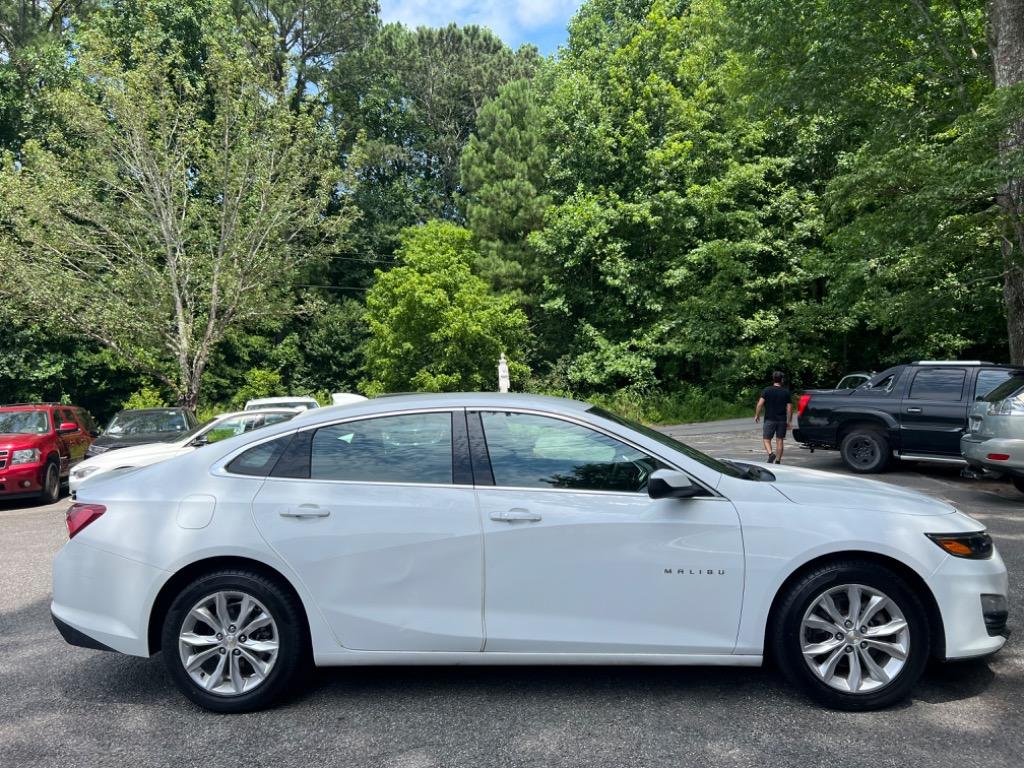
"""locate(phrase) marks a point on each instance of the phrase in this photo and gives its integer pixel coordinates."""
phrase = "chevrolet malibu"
(515, 529)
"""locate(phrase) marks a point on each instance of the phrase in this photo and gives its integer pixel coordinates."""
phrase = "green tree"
(32, 63)
(179, 205)
(675, 249)
(419, 97)
(434, 325)
(504, 178)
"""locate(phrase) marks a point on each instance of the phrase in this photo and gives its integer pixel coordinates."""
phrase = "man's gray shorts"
(774, 429)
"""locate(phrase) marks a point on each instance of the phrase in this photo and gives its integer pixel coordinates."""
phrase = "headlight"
(25, 456)
(80, 473)
(95, 450)
(973, 546)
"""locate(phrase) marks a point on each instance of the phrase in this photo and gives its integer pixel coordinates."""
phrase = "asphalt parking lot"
(65, 706)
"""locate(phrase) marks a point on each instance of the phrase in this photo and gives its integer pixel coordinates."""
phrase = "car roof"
(153, 410)
(482, 400)
(284, 399)
(34, 406)
(261, 412)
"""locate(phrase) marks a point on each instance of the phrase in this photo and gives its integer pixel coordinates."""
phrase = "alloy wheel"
(855, 638)
(228, 643)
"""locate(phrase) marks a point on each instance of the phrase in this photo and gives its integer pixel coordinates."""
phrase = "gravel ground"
(65, 706)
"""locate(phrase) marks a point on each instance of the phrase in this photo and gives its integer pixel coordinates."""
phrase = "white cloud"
(513, 20)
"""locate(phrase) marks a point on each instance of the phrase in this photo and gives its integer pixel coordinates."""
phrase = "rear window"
(938, 384)
(1008, 388)
(989, 379)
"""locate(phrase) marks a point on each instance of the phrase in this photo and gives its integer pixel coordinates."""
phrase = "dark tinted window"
(989, 379)
(259, 460)
(938, 384)
(416, 448)
(539, 452)
(1007, 389)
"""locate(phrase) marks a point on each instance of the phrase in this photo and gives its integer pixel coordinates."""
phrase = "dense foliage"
(689, 194)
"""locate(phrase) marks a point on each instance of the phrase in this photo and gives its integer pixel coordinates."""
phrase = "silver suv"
(995, 431)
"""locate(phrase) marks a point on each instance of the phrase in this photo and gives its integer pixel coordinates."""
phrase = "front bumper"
(958, 585)
(976, 451)
(104, 597)
(21, 480)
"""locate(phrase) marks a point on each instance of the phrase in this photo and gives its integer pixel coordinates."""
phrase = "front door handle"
(304, 511)
(516, 514)
(913, 410)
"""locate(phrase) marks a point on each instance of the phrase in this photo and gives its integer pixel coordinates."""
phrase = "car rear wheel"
(234, 641)
(865, 450)
(51, 484)
(852, 635)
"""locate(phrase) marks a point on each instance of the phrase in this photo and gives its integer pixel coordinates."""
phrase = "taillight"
(80, 515)
(804, 400)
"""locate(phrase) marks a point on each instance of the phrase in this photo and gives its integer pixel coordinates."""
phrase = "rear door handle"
(516, 514)
(304, 511)
(913, 410)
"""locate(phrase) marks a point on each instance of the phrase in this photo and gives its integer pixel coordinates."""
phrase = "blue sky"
(541, 22)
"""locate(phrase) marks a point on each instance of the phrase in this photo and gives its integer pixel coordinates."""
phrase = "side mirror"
(200, 441)
(67, 427)
(669, 484)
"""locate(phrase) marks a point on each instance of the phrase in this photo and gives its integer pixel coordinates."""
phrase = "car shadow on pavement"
(35, 658)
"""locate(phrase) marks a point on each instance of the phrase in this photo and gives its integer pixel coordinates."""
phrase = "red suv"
(39, 443)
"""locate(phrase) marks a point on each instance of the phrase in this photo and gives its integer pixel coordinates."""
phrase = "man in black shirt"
(778, 416)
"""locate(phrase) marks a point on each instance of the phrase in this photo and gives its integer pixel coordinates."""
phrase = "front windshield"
(719, 466)
(148, 422)
(24, 423)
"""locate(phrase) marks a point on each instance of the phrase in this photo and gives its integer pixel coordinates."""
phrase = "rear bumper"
(21, 480)
(976, 453)
(815, 437)
(104, 598)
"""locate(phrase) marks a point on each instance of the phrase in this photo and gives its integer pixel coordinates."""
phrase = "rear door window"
(938, 384)
(413, 448)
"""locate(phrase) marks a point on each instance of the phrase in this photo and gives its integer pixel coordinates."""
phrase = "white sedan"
(224, 426)
(514, 529)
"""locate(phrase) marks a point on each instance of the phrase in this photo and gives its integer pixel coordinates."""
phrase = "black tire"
(292, 637)
(865, 450)
(1018, 483)
(51, 484)
(786, 634)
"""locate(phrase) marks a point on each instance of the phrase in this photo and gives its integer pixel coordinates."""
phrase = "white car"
(516, 529)
(344, 398)
(298, 402)
(224, 426)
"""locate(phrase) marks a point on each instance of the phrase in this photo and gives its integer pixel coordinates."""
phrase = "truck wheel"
(865, 450)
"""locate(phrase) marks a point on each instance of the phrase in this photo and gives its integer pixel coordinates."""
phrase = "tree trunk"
(1006, 18)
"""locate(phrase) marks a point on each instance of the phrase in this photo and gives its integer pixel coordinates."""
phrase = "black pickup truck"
(916, 411)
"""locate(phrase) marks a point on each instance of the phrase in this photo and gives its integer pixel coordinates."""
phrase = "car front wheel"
(234, 641)
(853, 636)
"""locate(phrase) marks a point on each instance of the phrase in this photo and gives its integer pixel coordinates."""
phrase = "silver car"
(995, 431)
